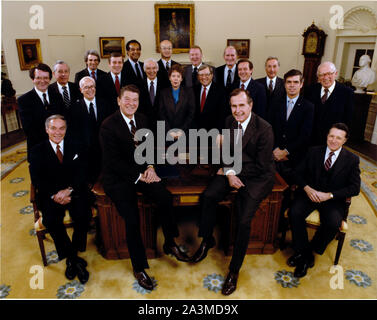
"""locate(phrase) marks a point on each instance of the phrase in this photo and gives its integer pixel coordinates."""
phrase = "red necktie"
(203, 99)
(242, 86)
(117, 84)
(59, 154)
(93, 75)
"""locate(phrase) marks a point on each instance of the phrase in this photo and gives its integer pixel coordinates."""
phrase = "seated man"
(123, 177)
(58, 172)
(254, 182)
(326, 177)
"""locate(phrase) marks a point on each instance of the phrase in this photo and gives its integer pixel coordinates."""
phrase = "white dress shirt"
(87, 102)
(331, 89)
(60, 88)
(334, 157)
(61, 146)
(245, 83)
(231, 75)
(40, 94)
(113, 76)
(154, 85)
(273, 82)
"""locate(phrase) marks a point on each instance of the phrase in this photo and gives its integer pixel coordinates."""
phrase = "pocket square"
(76, 156)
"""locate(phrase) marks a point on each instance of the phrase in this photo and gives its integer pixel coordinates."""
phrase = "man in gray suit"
(190, 77)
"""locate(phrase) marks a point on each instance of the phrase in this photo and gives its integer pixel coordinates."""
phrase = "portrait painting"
(29, 53)
(242, 46)
(175, 22)
(111, 44)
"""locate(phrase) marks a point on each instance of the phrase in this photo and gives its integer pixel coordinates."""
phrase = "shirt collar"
(335, 156)
(207, 87)
(40, 94)
(331, 89)
(87, 102)
(293, 99)
(128, 120)
(245, 83)
(61, 145)
(245, 123)
(154, 82)
(197, 68)
(90, 71)
(233, 68)
(113, 76)
(273, 81)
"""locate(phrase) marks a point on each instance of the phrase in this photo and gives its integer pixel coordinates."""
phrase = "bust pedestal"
(360, 114)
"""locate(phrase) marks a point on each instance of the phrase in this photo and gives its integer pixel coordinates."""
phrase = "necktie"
(328, 161)
(203, 101)
(242, 86)
(194, 75)
(138, 74)
(240, 132)
(324, 97)
(270, 87)
(65, 96)
(92, 114)
(229, 79)
(93, 75)
(167, 66)
(117, 84)
(45, 102)
(59, 154)
(289, 108)
(151, 92)
(133, 131)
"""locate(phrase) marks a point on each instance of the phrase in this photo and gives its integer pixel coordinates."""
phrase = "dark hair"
(341, 126)
(115, 54)
(129, 87)
(42, 67)
(132, 41)
(237, 91)
(176, 67)
(292, 73)
(251, 66)
(92, 53)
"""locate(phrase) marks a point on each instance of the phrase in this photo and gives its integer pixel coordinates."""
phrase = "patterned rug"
(12, 157)
(369, 181)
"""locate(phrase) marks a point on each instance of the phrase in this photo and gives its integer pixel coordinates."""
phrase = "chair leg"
(41, 236)
(341, 236)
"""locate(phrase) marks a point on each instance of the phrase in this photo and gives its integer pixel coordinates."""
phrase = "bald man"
(165, 63)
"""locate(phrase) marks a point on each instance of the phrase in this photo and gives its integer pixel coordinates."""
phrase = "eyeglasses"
(204, 74)
(88, 87)
(327, 74)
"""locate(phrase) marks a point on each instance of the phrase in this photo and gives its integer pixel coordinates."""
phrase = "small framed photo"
(175, 22)
(242, 46)
(29, 53)
(108, 45)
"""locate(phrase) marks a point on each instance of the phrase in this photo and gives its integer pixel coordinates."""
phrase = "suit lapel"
(339, 163)
(249, 131)
(295, 111)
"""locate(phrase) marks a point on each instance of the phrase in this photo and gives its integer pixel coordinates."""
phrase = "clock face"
(311, 43)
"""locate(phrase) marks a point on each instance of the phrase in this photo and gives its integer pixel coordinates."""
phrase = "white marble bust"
(364, 76)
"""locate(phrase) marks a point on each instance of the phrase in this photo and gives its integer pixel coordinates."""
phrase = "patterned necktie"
(203, 101)
(167, 66)
(94, 75)
(270, 86)
(45, 102)
(242, 86)
(194, 75)
(66, 96)
(133, 131)
(324, 97)
(59, 154)
(328, 161)
(138, 74)
(151, 92)
(117, 84)
(229, 79)
(289, 108)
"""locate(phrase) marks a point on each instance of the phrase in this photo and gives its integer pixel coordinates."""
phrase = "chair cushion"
(38, 225)
(313, 219)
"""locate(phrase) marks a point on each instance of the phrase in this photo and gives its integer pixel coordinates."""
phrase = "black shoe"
(81, 261)
(293, 260)
(82, 273)
(144, 280)
(230, 284)
(303, 265)
(201, 253)
(176, 252)
(70, 271)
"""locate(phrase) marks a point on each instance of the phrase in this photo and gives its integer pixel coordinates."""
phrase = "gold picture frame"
(175, 22)
(29, 53)
(242, 46)
(108, 45)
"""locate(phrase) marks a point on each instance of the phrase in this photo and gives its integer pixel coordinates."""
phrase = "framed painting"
(29, 53)
(108, 45)
(175, 22)
(242, 46)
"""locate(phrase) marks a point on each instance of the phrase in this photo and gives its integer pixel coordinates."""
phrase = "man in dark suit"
(256, 90)
(273, 85)
(190, 75)
(254, 181)
(38, 104)
(67, 92)
(108, 86)
(227, 74)
(57, 170)
(292, 124)
(123, 177)
(333, 102)
(92, 60)
(133, 68)
(210, 101)
(328, 175)
(165, 63)
(86, 117)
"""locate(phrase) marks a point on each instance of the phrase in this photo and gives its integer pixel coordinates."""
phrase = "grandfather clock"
(314, 44)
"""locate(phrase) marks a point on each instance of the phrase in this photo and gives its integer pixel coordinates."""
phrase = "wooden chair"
(313, 222)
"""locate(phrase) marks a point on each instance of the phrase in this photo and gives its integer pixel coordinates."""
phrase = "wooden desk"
(186, 191)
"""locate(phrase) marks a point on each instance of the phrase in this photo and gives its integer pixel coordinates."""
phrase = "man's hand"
(220, 172)
(176, 134)
(234, 181)
(317, 196)
(219, 140)
(63, 197)
(280, 155)
(150, 176)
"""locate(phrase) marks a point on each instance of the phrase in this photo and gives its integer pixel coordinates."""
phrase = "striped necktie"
(133, 131)
(328, 161)
(66, 96)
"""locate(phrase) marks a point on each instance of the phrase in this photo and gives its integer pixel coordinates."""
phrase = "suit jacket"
(85, 73)
(293, 134)
(49, 176)
(258, 95)
(337, 108)
(162, 73)
(106, 89)
(187, 77)
(33, 115)
(219, 72)
(274, 98)
(74, 93)
(129, 74)
(213, 114)
(178, 116)
(342, 180)
(258, 168)
(119, 166)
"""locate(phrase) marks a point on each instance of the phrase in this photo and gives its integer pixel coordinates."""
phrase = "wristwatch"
(70, 189)
(331, 196)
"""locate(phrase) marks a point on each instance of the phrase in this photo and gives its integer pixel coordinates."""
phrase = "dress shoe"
(230, 284)
(303, 265)
(144, 280)
(81, 261)
(82, 273)
(201, 253)
(293, 260)
(70, 271)
(176, 252)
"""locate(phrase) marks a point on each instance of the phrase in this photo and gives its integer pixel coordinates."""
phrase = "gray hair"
(59, 62)
(81, 83)
(53, 117)
(150, 60)
(272, 58)
(205, 66)
(327, 63)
